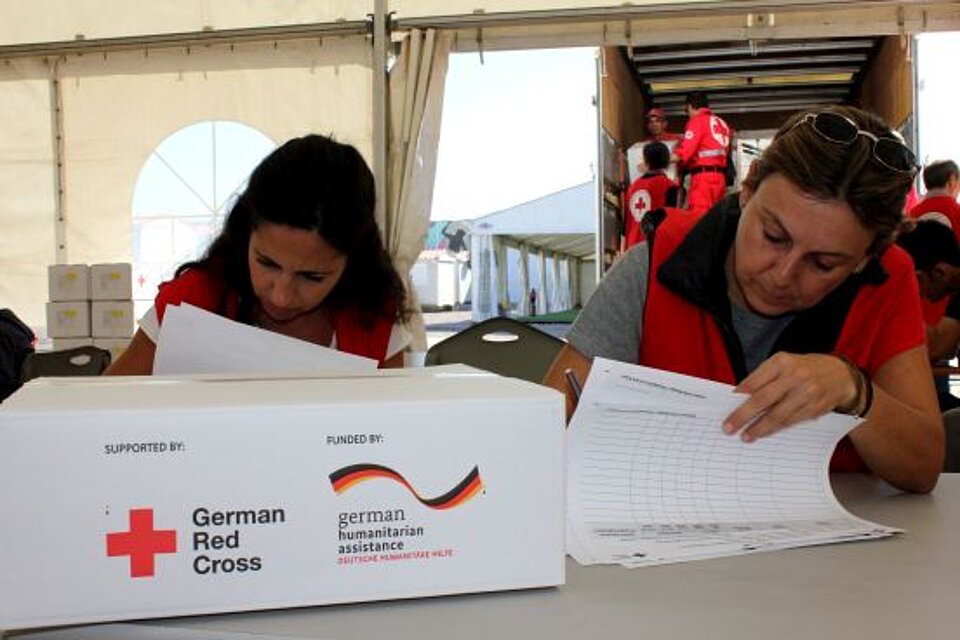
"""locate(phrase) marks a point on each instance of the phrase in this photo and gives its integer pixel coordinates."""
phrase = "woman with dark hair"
(792, 291)
(299, 254)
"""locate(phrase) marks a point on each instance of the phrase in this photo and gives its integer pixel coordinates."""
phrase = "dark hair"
(697, 99)
(831, 171)
(930, 242)
(656, 156)
(937, 174)
(316, 184)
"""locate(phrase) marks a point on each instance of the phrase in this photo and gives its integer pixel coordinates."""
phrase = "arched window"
(184, 190)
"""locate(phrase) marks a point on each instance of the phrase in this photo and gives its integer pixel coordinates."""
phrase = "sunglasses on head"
(889, 152)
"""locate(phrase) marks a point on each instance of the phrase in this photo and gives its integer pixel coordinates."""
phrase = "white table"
(902, 587)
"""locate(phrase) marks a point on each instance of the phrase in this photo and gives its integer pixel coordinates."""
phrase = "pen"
(573, 383)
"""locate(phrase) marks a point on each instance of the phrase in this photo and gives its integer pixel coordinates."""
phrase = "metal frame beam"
(746, 67)
(643, 54)
(481, 20)
(184, 39)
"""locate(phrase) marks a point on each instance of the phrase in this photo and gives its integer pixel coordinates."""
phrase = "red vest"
(939, 203)
(678, 335)
(204, 289)
(646, 193)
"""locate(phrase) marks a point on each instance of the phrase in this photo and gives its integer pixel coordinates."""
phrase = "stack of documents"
(653, 479)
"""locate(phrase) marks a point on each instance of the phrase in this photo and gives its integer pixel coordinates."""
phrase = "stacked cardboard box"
(68, 311)
(90, 305)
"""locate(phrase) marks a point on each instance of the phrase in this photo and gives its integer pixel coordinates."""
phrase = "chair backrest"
(951, 426)
(80, 361)
(501, 345)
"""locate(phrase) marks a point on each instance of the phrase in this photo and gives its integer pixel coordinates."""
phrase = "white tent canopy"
(88, 88)
(561, 226)
(564, 223)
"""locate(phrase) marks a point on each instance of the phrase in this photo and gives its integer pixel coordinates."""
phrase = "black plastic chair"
(80, 361)
(951, 425)
(500, 345)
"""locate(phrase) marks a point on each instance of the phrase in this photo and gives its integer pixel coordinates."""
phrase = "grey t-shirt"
(611, 324)
(757, 334)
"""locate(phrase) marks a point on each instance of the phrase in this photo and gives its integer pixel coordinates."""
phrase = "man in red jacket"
(703, 153)
(657, 128)
(657, 131)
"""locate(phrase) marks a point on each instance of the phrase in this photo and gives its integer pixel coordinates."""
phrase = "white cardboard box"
(112, 318)
(129, 498)
(68, 319)
(111, 281)
(68, 282)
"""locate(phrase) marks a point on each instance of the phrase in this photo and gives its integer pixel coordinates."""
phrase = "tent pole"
(56, 134)
(598, 173)
(381, 40)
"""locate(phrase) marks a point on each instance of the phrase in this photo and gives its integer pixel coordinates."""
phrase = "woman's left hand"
(788, 388)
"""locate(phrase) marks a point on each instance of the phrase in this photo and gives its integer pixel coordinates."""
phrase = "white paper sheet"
(196, 341)
(653, 479)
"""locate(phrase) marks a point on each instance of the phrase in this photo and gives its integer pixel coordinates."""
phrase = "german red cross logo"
(720, 131)
(142, 543)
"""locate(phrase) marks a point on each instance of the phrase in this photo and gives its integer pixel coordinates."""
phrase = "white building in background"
(547, 245)
(492, 262)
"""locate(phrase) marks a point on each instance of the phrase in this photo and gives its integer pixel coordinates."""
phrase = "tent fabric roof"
(562, 222)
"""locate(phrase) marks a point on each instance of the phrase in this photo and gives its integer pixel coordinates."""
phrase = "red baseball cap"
(656, 112)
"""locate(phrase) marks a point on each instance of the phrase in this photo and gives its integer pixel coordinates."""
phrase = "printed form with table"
(652, 479)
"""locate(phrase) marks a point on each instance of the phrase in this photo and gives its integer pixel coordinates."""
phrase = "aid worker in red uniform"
(299, 254)
(652, 190)
(793, 291)
(703, 153)
(657, 131)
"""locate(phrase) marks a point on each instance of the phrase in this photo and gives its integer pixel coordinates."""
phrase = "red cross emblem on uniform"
(142, 542)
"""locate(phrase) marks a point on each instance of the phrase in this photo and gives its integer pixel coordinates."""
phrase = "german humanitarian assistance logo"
(141, 543)
(347, 477)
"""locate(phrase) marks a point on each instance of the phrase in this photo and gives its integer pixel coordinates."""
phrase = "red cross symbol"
(141, 543)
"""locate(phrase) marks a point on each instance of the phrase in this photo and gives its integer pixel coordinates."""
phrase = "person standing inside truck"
(658, 130)
(703, 153)
(300, 254)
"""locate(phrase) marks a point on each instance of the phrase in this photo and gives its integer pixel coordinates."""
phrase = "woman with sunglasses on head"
(299, 254)
(792, 291)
